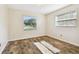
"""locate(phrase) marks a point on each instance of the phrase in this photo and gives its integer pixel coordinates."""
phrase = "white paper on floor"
(51, 47)
(42, 48)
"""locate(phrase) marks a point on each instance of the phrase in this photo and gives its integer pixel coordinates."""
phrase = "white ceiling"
(38, 8)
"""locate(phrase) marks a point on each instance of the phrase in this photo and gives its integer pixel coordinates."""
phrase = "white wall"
(70, 34)
(45, 26)
(16, 26)
(3, 27)
(13, 26)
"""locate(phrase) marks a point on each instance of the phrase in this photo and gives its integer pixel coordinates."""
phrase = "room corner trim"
(64, 40)
(3, 47)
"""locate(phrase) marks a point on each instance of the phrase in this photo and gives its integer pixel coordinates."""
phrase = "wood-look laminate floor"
(26, 46)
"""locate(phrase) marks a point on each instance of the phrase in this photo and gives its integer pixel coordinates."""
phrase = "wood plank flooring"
(26, 46)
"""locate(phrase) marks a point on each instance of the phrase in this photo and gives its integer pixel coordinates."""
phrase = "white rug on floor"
(42, 48)
(51, 47)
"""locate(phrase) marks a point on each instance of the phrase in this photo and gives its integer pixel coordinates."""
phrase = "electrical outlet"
(61, 35)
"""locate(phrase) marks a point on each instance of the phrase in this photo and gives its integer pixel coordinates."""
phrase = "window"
(29, 23)
(66, 19)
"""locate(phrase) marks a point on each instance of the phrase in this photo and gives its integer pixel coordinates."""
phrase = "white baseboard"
(65, 40)
(3, 47)
(17, 39)
(52, 37)
(26, 38)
